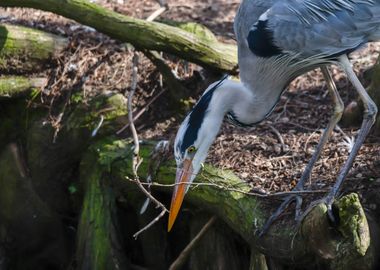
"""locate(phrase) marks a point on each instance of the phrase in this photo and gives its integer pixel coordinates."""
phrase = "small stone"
(284, 120)
(359, 175)
(244, 175)
(277, 149)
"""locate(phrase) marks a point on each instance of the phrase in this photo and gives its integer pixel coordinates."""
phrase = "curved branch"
(140, 33)
(314, 239)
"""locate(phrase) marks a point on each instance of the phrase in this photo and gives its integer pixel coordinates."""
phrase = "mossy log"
(17, 86)
(314, 241)
(23, 49)
(98, 245)
(142, 34)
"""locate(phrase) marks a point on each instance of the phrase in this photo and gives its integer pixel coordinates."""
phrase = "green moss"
(354, 223)
(95, 222)
(197, 29)
(19, 40)
(110, 107)
(11, 86)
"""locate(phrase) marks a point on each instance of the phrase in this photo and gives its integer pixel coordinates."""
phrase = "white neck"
(244, 103)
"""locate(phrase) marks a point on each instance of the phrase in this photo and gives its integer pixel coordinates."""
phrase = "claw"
(288, 200)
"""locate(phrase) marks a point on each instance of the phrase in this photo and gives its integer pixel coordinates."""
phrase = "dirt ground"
(271, 156)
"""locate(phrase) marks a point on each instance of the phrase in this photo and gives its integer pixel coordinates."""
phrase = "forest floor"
(271, 156)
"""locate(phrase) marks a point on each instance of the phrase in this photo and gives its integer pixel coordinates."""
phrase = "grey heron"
(277, 41)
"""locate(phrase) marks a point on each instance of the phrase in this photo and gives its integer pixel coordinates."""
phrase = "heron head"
(194, 138)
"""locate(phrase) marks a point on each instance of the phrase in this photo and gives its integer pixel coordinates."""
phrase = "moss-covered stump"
(24, 49)
(345, 246)
(348, 243)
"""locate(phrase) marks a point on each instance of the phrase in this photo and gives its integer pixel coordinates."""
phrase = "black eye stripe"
(197, 116)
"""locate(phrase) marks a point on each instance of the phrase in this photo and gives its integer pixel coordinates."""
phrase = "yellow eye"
(191, 149)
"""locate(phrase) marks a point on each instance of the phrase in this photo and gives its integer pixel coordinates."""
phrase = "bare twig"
(157, 13)
(136, 157)
(137, 116)
(222, 187)
(150, 224)
(136, 151)
(280, 138)
(180, 261)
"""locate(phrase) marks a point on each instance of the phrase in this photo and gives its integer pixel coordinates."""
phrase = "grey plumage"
(309, 33)
(312, 27)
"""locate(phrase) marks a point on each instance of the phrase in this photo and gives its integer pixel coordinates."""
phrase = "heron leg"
(337, 114)
(369, 118)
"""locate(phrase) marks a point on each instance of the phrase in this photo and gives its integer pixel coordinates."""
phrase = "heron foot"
(327, 200)
(287, 200)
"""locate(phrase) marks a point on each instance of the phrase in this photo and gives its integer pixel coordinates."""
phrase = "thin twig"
(136, 157)
(150, 224)
(157, 13)
(277, 194)
(136, 151)
(137, 116)
(180, 261)
(150, 196)
(279, 136)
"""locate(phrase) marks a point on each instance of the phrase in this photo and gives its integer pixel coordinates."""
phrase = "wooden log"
(16, 86)
(140, 33)
(342, 245)
(23, 49)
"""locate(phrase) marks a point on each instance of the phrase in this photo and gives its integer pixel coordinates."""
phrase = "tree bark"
(24, 49)
(140, 33)
(342, 246)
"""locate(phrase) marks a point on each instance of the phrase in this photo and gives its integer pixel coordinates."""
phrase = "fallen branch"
(25, 49)
(16, 86)
(140, 33)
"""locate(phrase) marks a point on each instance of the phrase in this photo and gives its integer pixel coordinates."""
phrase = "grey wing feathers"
(326, 27)
(248, 13)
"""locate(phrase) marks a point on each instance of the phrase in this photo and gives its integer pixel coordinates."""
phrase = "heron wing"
(248, 13)
(315, 27)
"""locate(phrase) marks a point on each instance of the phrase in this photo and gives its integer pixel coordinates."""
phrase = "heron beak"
(182, 177)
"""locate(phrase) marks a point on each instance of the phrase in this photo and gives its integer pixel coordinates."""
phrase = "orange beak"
(182, 177)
